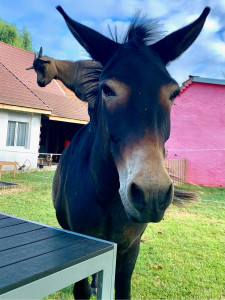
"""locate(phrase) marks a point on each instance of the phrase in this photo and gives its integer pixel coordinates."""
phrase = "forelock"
(141, 31)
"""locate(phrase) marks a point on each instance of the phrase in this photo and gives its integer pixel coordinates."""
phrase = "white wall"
(15, 153)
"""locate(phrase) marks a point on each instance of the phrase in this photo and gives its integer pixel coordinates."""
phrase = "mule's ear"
(96, 44)
(173, 45)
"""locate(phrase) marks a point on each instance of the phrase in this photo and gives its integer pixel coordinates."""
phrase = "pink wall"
(198, 133)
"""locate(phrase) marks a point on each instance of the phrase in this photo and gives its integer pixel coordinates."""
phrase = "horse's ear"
(96, 44)
(173, 45)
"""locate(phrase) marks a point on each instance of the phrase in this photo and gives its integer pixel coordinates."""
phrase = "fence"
(177, 170)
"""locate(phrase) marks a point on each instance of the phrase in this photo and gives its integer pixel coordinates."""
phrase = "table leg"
(106, 279)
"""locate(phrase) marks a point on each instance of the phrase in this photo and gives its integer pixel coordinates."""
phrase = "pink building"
(198, 130)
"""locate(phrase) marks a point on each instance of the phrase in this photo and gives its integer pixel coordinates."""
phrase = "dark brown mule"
(111, 180)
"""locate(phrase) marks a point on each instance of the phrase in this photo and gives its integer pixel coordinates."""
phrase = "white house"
(19, 138)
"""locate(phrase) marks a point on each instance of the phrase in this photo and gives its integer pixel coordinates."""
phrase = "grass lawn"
(182, 257)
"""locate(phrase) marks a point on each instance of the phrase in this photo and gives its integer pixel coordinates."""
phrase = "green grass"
(188, 244)
(32, 199)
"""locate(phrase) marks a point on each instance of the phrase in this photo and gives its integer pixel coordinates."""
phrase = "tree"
(10, 34)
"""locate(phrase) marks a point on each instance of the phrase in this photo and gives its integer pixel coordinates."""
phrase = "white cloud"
(212, 24)
(205, 57)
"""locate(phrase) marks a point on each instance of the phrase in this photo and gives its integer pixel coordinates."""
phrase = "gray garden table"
(37, 260)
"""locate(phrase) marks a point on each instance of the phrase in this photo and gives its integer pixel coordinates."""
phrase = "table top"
(30, 251)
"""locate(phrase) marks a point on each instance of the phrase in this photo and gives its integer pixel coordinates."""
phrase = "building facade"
(198, 130)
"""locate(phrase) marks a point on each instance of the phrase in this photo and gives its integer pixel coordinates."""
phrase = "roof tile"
(63, 106)
(14, 92)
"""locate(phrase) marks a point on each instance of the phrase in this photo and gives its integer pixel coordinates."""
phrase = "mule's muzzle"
(146, 189)
(146, 200)
(148, 205)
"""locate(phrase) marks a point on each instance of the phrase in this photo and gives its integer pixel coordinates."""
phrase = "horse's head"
(135, 95)
(45, 68)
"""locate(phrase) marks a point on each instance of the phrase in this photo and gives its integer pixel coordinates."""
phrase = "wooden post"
(14, 172)
(185, 170)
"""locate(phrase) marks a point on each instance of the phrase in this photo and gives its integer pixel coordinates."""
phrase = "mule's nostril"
(137, 195)
(169, 194)
(170, 191)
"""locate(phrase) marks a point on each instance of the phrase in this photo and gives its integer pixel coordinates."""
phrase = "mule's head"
(45, 68)
(135, 97)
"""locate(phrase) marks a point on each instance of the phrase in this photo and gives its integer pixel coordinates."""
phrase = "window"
(17, 134)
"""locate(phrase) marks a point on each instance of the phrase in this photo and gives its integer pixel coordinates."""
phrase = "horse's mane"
(141, 31)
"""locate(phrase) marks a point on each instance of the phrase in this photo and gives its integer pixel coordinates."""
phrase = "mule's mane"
(90, 85)
(141, 31)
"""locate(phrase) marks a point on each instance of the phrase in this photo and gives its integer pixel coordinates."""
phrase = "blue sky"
(206, 57)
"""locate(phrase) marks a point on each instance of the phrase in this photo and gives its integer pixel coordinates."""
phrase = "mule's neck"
(66, 71)
(103, 170)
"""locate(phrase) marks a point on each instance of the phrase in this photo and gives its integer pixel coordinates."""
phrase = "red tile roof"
(62, 106)
(15, 61)
(23, 96)
(68, 92)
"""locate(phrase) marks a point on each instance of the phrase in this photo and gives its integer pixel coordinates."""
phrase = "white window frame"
(16, 134)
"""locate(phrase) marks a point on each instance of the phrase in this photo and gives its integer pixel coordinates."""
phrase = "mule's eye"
(107, 91)
(174, 95)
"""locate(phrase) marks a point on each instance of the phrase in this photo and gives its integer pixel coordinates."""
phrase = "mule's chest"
(110, 224)
(124, 231)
